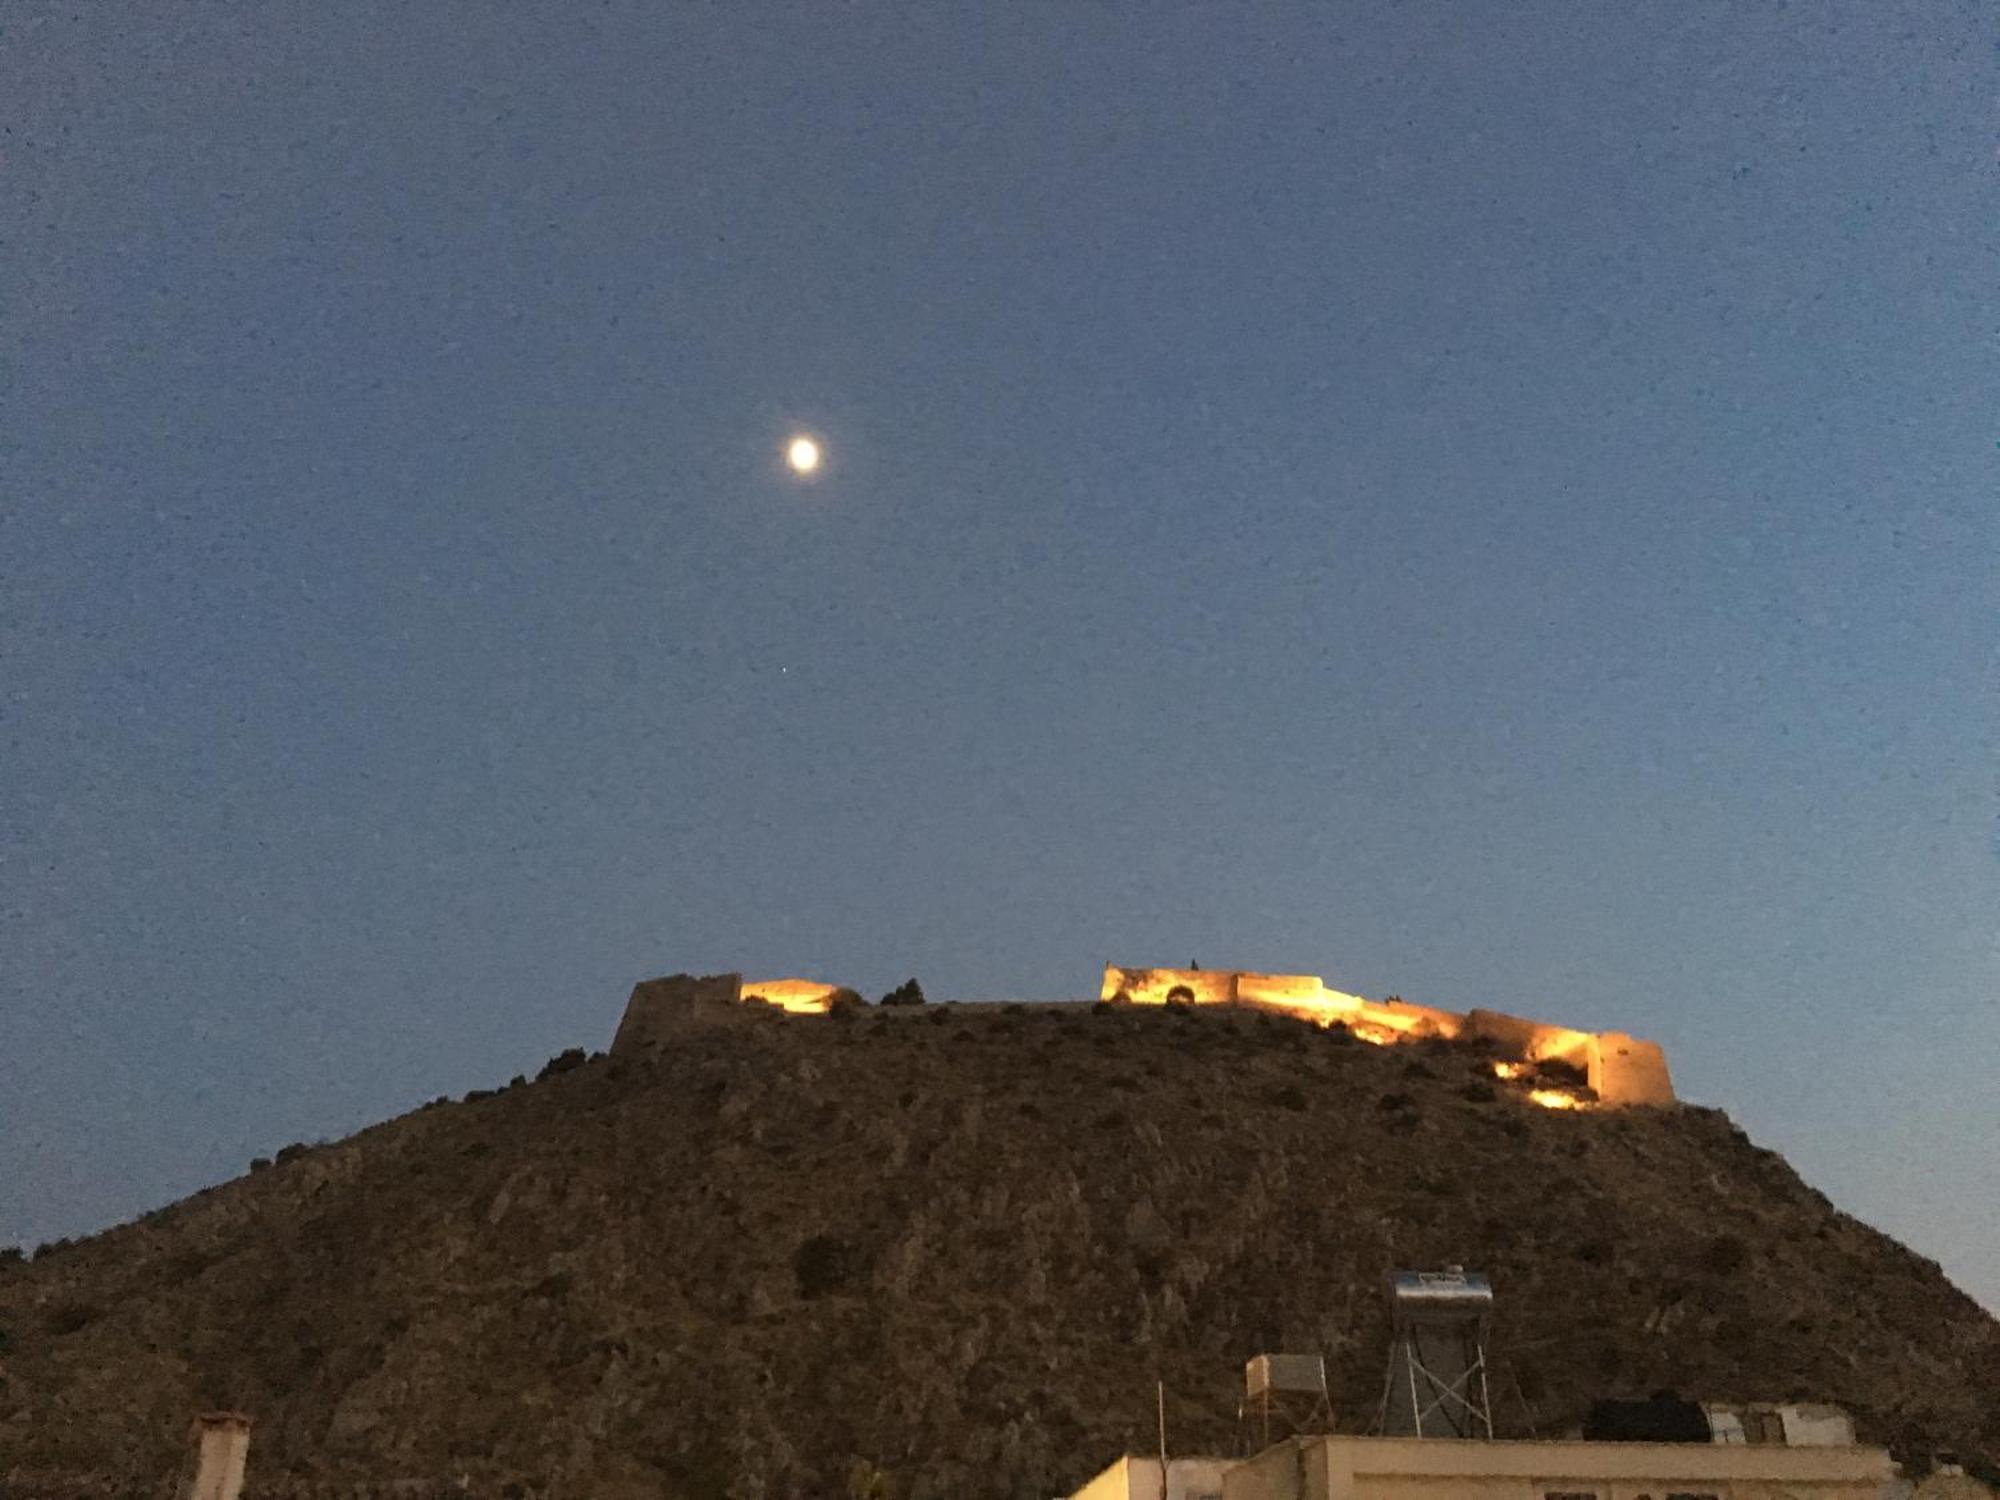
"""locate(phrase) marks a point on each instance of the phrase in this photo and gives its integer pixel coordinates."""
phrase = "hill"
(947, 1252)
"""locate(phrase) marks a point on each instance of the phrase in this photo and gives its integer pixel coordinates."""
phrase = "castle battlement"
(1618, 1069)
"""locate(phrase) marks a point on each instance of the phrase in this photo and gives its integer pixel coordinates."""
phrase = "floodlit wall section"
(1356, 1468)
(1306, 996)
(1630, 1071)
(1621, 1069)
(1532, 1041)
(1138, 1478)
(799, 997)
(662, 1011)
(1303, 995)
(1162, 986)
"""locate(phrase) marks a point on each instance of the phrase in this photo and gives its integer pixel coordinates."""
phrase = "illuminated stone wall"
(1162, 986)
(1620, 1069)
(799, 997)
(1626, 1070)
(662, 1009)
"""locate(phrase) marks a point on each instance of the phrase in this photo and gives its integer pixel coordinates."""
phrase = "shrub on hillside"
(72, 1317)
(909, 992)
(865, 1481)
(1553, 1073)
(1724, 1255)
(824, 1264)
(292, 1152)
(565, 1061)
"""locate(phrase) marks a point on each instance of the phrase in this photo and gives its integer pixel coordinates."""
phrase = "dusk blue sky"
(1494, 504)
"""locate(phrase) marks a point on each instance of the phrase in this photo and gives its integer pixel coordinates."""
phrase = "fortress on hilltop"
(1563, 1068)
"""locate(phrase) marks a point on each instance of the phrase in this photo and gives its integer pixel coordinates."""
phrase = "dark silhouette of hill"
(947, 1251)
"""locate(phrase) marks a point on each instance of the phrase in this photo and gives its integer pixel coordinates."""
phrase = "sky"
(1491, 504)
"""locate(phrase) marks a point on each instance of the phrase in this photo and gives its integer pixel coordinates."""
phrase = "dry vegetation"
(946, 1252)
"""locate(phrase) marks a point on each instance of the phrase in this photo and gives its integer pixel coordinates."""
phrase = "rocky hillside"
(947, 1252)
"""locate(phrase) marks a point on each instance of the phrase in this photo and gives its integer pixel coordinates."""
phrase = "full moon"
(802, 455)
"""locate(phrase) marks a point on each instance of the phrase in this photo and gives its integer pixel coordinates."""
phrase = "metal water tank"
(1274, 1373)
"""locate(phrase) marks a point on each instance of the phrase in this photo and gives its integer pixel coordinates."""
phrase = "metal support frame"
(1453, 1409)
(1287, 1410)
(1437, 1352)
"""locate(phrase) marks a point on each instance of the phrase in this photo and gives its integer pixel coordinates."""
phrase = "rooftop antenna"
(1437, 1355)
